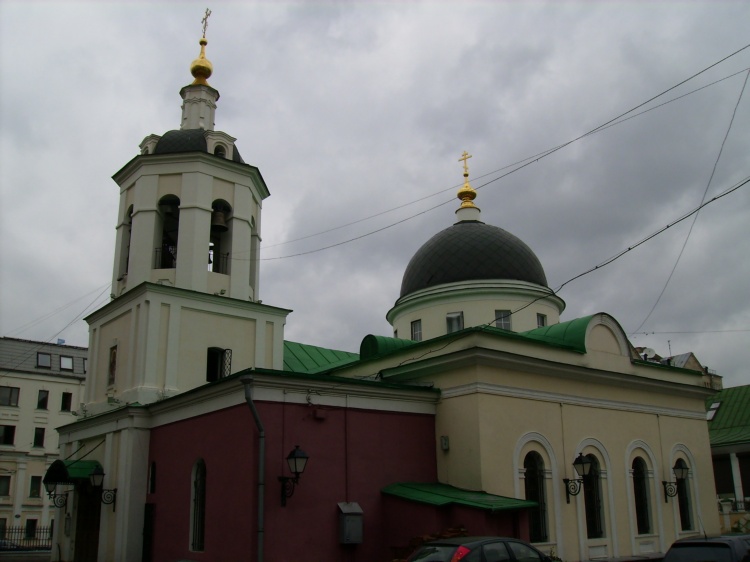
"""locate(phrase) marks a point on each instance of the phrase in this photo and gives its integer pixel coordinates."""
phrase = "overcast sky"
(351, 110)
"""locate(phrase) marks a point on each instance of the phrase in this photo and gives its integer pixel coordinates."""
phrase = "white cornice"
(567, 399)
(474, 356)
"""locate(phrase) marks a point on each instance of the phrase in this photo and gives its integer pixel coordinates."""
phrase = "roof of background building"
(731, 423)
(471, 250)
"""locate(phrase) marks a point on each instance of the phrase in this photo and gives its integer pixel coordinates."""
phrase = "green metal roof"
(442, 494)
(570, 334)
(731, 423)
(69, 472)
(373, 346)
(302, 358)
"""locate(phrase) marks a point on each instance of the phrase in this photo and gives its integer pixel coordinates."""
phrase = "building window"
(30, 529)
(541, 320)
(592, 495)
(502, 319)
(640, 493)
(416, 330)
(533, 466)
(683, 499)
(66, 363)
(4, 485)
(66, 402)
(198, 511)
(7, 434)
(112, 365)
(85, 365)
(35, 490)
(44, 360)
(38, 437)
(454, 321)
(218, 363)
(9, 396)
(42, 399)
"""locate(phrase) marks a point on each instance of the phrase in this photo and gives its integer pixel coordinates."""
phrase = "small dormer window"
(712, 410)
(220, 150)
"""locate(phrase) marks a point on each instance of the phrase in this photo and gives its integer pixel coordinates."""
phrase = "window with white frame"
(541, 320)
(502, 319)
(416, 330)
(454, 321)
(44, 360)
(66, 363)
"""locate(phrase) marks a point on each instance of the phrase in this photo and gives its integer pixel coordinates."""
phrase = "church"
(205, 435)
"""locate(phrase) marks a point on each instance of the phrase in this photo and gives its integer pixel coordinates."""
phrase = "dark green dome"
(470, 251)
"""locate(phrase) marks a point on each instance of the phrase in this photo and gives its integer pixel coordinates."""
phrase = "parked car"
(727, 548)
(478, 549)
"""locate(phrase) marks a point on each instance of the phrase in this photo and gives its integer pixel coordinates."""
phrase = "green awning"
(443, 494)
(70, 472)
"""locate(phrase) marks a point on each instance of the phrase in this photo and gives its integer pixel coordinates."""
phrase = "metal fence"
(28, 537)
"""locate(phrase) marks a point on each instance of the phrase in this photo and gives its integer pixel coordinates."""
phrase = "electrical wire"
(703, 198)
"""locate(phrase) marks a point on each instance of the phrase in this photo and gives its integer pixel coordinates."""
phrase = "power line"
(703, 198)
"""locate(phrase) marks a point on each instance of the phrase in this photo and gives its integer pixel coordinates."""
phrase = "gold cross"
(204, 21)
(464, 157)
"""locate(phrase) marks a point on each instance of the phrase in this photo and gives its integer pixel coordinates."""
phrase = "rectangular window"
(44, 360)
(85, 365)
(454, 321)
(541, 320)
(4, 485)
(30, 528)
(112, 365)
(9, 396)
(7, 434)
(502, 319)
(35, 490)
(67, 399)
(42, 399)
(66, 363)
(38, 437)
(416, 330)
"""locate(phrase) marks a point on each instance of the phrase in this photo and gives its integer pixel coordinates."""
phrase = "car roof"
(469, 541)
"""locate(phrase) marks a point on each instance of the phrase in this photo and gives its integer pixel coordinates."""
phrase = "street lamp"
(670, 488)
(97, 480)
(297, 460)
(59, 500)
(582, 466)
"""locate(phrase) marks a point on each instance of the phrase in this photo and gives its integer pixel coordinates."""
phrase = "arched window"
(127, 226)
(220, 239)
(169, 211)
(683, 498)
(220, 151)
(198, 507)
(592, 495)
(640, 493)
(533, 466)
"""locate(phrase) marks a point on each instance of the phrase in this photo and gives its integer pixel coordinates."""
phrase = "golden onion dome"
(201, 68)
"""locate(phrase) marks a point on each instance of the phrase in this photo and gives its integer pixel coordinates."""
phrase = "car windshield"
(433, 553)
(709, 552)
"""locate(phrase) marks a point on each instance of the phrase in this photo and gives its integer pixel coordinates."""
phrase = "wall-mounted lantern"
(97, 480)
(670, 488)
(582, 466)
(297, 460)
(58, 500)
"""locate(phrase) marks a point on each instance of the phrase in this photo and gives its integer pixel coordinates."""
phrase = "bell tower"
(185, 306)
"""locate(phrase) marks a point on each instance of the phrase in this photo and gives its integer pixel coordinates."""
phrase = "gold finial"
(201, 68)
(467, 193)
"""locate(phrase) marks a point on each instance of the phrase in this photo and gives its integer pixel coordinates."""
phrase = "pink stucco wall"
(353, 454)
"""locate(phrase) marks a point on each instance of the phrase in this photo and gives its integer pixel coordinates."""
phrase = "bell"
(218, 221)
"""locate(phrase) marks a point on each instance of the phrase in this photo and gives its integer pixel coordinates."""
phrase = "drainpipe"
(247, 380)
